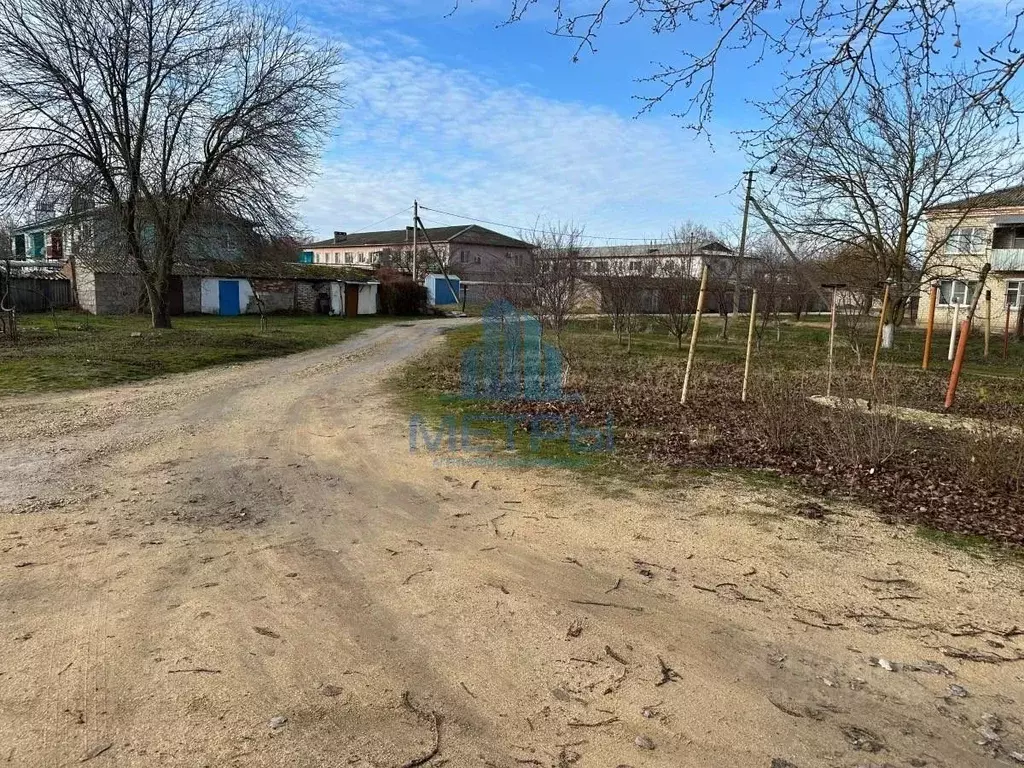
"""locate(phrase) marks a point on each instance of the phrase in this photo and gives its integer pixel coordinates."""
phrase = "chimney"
(340, 237)
(44, 210)
(408, 234)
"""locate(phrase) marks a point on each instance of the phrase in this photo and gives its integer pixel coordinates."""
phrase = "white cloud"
(461, 142)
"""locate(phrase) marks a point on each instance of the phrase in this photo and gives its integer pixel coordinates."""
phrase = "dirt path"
(184, 560)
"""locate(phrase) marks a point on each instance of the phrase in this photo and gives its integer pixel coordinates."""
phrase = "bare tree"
(163, 111)
(860, 175)
(677, 299)
(548, 284)
(771, 280)
(816, 44)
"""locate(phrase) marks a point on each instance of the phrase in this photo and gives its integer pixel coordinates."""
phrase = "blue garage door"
(229, 304)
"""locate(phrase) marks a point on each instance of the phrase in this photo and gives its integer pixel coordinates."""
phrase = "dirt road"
(248, 567)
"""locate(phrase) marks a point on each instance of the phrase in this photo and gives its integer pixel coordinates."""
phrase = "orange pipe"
(930, 330)
(958, 362)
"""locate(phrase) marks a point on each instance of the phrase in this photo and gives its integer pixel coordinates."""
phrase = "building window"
(348, 257)
(635, 266)
(956, 292)
(518, 259)
(19, 246)
(476, 259)
(1014, 288)
(967, 240)
(1008, 237)
(602, 267)
(464, 257)
(38, 245)
(362, 258)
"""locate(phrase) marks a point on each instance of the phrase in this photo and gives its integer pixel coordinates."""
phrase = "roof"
(469, 235)
(254, 268)
(653, 251)
(1010, 197)
(56, 221)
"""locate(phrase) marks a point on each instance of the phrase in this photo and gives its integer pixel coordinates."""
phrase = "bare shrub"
(991, 457)
(855, 435)
(782, 415)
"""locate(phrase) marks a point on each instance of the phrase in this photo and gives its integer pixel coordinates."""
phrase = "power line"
(378, 223)
(641, 240)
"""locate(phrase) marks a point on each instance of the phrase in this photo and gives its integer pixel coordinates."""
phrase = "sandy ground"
(186, 560)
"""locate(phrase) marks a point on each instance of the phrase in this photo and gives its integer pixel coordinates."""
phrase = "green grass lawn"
(84, 351)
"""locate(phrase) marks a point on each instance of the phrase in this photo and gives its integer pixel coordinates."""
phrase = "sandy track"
(186, 559)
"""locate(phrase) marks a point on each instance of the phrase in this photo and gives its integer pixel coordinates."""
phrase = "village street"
(246, 566)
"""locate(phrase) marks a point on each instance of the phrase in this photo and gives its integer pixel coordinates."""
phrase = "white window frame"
(349, 257)
(967, 241)
(1017, 287)
(463, 257)
(962, 289)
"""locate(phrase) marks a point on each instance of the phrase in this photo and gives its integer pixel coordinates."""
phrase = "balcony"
(1007, 259)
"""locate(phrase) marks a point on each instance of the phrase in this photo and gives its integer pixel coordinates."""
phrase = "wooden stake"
(988, 319)
(878, 336)
(831, 344)
(693, 334)
(931, 327)
(750, 343)
(1006, 333)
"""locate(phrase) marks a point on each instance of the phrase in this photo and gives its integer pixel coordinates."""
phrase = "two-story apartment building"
(657, 259)
(219, 269)
(472, 252)
(966, 234)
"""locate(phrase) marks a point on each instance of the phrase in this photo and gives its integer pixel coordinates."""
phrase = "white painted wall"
(367, 300)
(209, 295)
(337, 299)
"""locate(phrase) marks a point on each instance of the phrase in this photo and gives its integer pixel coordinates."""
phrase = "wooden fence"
(39, 294)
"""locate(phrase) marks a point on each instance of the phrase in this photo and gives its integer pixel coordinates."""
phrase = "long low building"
(111, 286)
(471, 252)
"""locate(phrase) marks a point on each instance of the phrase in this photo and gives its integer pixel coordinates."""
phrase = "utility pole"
(415, 230)
(743, 242)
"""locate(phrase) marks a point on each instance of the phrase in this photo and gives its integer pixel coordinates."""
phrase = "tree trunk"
(160, 314)
(159, 309)
(888, 333)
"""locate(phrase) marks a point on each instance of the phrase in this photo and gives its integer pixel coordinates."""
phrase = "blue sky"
(497, 122)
